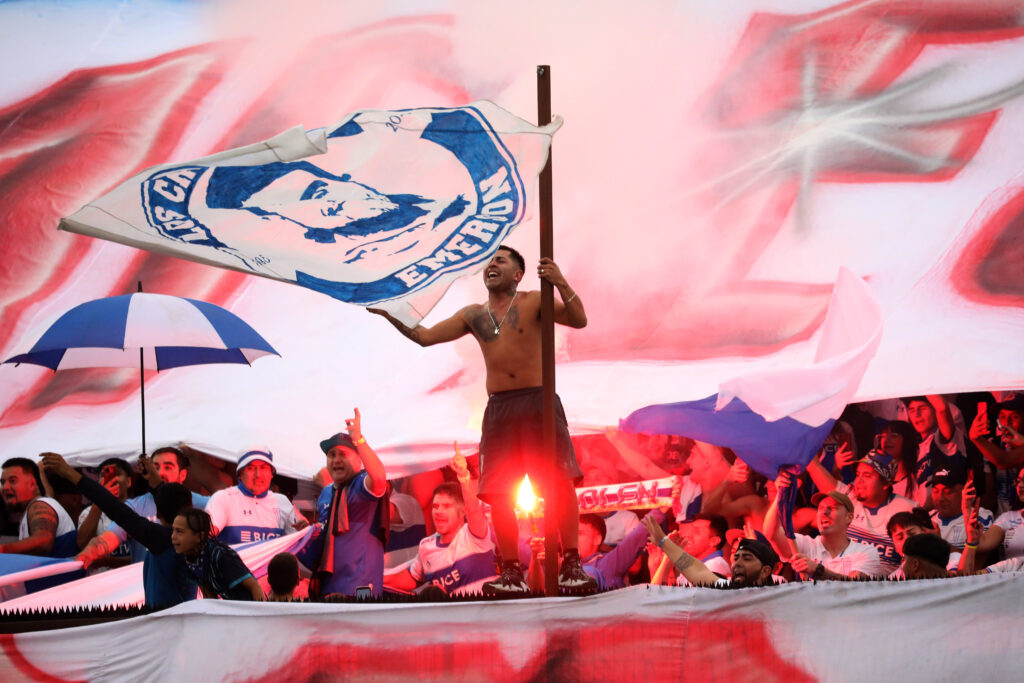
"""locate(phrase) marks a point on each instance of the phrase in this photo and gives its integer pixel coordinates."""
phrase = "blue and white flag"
(384, 209)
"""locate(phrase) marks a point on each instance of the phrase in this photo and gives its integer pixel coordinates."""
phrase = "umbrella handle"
(142, 387)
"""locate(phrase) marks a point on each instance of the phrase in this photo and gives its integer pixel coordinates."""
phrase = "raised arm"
(821, 477)
(772, 529)
(377, 481)
(943, 415)
(476, 520)
(689, 566)
(979, 433)
(150, 534)
(634, 458)
(569, 311)
(445, 331)
(88, 526)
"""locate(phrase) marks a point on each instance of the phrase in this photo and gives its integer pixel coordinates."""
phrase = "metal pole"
(547, 326)
(142, 388)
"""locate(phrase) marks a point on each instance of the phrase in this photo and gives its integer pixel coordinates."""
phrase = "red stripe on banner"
(25, 667)
(635, 650)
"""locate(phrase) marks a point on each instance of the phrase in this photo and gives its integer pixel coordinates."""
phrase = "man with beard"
(752, 564)
(44, 527)
(507, 328)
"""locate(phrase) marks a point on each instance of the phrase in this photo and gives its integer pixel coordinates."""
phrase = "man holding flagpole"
(507, 328)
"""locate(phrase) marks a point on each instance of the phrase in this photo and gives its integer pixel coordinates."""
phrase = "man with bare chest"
(507, 327)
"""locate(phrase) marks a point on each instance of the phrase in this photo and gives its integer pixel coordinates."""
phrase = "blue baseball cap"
(339, 439)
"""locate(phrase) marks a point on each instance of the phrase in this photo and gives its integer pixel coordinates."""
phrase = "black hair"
(119, 463)
(905, 519)
(928, 547)
(516, 256)
(283, 573)
(450, 489)
(596, 522)
(908, 450)
(183, 462)
(198, 521)
(29, 467)
(170, 500)
(719, 526)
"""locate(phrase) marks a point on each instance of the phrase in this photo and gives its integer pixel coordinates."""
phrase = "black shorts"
(511, 439)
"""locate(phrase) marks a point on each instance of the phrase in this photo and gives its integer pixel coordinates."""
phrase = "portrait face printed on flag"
(398, 199)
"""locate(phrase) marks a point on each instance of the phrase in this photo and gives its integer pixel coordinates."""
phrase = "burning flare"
(526, 501)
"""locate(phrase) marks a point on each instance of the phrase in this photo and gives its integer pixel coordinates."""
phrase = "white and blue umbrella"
(151, 331)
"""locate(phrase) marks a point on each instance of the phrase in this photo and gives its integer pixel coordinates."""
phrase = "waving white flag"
(384, 209)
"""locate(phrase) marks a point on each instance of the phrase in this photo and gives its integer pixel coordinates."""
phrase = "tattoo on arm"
(683, 561)
(42, 519)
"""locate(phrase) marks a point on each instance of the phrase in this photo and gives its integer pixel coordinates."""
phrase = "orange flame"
(526, 500)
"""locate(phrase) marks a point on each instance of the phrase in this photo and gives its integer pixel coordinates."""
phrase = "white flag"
(384, 209)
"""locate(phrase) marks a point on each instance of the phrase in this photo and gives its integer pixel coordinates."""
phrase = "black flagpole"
(547, 327)
(142, 386)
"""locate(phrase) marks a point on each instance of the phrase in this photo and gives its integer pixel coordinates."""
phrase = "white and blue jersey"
(1013, 537)
(241, 517)
(869, 526)
(953, 531)
(145, 506)
(459, 567)
(66, 542)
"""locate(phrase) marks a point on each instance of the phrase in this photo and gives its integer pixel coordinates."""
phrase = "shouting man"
(507, 328)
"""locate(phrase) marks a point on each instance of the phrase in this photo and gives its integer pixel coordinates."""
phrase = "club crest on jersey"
(358, 222)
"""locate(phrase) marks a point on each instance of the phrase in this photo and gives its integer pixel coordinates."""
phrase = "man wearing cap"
(873, 501)
(250, 511)
(354, 513)
(832, 555)
(752, 564)
(1006, 451)
(948, 492)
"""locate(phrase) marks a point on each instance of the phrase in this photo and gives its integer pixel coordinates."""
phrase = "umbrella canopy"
(170, 331)
(152, 331)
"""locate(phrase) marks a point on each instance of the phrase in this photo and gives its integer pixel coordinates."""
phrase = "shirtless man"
(507, 327)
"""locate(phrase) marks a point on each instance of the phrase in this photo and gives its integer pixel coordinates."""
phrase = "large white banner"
(950, 629)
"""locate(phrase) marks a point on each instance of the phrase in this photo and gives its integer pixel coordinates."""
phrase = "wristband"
(360, 441)
(566, 302)
(662, 541)
(970, 546)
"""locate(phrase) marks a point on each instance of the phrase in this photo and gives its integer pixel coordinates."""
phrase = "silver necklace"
(497, 325)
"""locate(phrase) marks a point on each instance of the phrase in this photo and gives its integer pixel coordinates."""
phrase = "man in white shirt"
(873, 502)
(459, 557)
(250, 511)
(832, 555)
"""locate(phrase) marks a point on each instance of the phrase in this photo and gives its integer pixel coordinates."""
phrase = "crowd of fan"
(919, 487)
